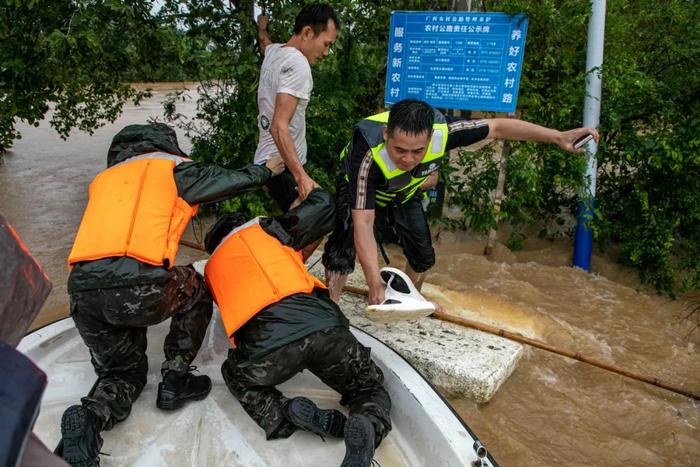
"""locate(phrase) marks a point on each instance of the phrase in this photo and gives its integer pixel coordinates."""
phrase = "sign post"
(591, 118)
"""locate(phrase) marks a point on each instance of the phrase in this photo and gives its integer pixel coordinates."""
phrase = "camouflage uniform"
(334, 355)
(304, 331)
(115, 299)
(113, 324)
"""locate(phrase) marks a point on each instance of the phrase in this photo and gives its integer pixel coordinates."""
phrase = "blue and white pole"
(591, 118)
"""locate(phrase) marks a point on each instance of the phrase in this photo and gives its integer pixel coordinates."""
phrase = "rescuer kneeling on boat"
(123, 278)
(281, 321)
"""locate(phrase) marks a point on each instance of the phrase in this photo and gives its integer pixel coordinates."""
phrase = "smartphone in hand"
(582, 140)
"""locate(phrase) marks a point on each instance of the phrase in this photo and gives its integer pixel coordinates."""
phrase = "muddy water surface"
(551, 411)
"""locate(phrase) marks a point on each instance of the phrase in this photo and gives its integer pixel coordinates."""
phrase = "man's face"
(316, 48)
(406, 150)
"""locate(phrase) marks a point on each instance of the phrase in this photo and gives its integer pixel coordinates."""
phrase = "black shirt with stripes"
(365, 176)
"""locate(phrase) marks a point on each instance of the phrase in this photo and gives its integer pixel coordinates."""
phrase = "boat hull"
(216, 431)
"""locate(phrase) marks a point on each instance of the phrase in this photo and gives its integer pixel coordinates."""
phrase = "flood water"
(551, 411)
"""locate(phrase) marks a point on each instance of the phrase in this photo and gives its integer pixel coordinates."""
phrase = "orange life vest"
(134, 210)
(250, 270)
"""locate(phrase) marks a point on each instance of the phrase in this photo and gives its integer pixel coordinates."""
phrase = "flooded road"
(551, 411)
(557, 411)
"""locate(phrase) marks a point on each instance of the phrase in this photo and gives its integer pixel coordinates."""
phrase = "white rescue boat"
(217, 432)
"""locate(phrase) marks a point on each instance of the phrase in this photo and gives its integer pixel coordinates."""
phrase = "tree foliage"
(347, 86)
(76, 55)
(647, 200)
(648, 160)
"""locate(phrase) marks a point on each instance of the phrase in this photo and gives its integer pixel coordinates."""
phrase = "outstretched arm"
(366, 247)
(520, 130)
(197, 183)
(309, 221)
(263, 35)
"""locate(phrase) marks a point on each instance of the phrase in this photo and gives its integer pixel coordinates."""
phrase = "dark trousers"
(334, 355)
(113, 324)
(283, 189)
(402, 223)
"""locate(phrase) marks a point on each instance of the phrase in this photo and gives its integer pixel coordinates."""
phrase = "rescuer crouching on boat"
(281, 321)
(123, 278)
(392, 157)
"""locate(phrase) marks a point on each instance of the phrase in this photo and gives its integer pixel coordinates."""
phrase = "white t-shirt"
(284, 70)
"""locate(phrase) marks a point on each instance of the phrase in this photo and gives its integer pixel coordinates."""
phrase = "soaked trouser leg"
(339, 251)
(334, 355)
(253, 383)
(113, 323)
(283, 189)
(118, 355)
(345, 365)
(411, 227)
(188, 301)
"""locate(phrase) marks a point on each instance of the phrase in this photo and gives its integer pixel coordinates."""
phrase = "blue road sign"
(456, 60)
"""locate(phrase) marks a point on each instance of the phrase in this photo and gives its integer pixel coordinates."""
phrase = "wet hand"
(376, 294)
(567, 138)
(263, 22)
(305, 185)
(276, 165)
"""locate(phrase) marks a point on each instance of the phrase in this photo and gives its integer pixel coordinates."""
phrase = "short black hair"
(222, 227)
(411, 116)
(316, 16)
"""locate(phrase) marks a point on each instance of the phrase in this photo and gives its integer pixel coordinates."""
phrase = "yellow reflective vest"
(401, 185)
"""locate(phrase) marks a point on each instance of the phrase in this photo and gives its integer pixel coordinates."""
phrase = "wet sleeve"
(306, 223)
(197, 183)
(464, 132)
(364, 176)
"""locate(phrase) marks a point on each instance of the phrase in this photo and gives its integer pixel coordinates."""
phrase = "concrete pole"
(591, 118)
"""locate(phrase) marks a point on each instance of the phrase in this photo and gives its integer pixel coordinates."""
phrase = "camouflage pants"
(334, 355)
(113, 324)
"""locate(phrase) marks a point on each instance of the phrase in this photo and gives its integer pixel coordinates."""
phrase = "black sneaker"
(80, 431)
(304, 414)
(178, 388)
(359, 442)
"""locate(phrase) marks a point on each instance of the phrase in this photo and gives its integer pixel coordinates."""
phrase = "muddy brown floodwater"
(551, 411)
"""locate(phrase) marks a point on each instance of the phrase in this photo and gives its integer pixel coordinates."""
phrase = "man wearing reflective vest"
(282, 321)
(391, 158)
(123, 277)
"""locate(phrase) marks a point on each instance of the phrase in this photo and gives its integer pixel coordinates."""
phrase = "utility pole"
(591, 118)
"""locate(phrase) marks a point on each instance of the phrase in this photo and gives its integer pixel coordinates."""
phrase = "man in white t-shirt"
(283, 95)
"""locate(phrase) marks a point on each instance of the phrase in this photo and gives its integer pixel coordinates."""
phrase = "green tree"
(648, 195)
(648, 191)
(348, 85)
(72, 56)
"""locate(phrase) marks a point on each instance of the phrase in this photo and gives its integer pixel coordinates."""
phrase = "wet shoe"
(179, 388)
(80, 431)
(359, 442)
(304, 414)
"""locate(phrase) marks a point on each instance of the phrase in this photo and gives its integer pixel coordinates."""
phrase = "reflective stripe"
(157, 155)
(399, 182)
(362, 180)
(465, 125)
